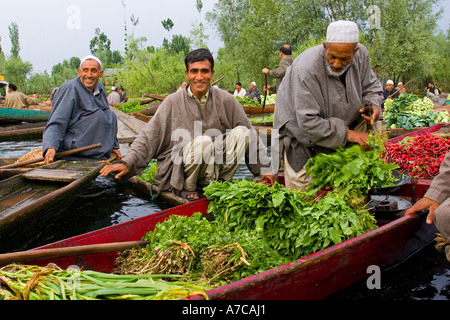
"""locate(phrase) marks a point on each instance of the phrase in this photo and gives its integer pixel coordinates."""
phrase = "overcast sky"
(51, 31)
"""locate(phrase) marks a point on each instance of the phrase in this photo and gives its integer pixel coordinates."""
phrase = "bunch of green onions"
(22, 282)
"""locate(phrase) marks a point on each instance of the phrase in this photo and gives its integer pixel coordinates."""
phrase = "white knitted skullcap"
(342, 32)
(389, 82)
(90, 57)
(253, 83)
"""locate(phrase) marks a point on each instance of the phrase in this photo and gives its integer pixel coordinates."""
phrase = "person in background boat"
(437, 201)
(18, 100)
(321, 102)
(432, 92)
(198, 135)
(182, 86)
(286, 60)
(114, 97)
(81, 116)
(123, 95)
(401, 88)
(253, 92)
(239, 91)
(390, 92)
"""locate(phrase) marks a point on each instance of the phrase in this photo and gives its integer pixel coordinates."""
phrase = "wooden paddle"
(30, 255)
(58, 155)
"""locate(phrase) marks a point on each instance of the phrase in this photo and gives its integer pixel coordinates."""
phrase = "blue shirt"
(80, 118)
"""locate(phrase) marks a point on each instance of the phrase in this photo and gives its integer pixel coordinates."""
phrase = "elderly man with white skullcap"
(324, 102)
(81, 117)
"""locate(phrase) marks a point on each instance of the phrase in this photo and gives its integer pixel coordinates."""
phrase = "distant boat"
(23, 131)
(32, 114)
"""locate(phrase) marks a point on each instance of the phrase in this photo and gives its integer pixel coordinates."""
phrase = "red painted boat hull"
(313, 277)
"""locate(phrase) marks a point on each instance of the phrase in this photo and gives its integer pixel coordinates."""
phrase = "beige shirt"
(19, 100)
(201, 103)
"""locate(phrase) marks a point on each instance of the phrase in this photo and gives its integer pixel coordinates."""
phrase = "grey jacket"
(80, 119)
(279, 72)
(314, 110)
(178, 121)
(439, 190)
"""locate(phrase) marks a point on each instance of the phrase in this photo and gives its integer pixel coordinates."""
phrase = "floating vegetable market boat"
(270, 108)
(40, 191)
(315, 276)
(25, 131)
(37, 114)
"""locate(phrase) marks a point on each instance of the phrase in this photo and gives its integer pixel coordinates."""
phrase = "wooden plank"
(53, 175)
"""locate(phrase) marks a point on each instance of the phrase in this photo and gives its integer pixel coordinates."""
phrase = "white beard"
(336, 74)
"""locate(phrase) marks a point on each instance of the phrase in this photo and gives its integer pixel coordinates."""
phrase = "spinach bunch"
(352, 170)
(291, 221)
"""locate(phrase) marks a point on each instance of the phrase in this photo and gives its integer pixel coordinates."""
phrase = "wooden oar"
(58, 155)
(30, 255)
(217, 81)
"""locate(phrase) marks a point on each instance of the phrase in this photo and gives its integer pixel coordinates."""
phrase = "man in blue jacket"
(81, 116)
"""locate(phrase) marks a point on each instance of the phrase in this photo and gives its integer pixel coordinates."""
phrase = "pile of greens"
(248, 102)
(203, 251)
(351, 170)
(148, 175)
(293, 223)
(132, 105)
(265, 119)
(408, 111)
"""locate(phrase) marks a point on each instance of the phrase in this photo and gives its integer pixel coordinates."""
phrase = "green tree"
(179, 44)
(64, 71)
(168, 25)
(16, 71)
(401, 48)
(147, 72)
(14, 36)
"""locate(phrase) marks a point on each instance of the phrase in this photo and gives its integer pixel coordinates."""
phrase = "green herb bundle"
(294, 224)
(351, 170)
(18, 282)
(201, 250)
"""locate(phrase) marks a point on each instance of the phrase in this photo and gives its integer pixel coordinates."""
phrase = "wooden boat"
(128, 127)
(31, 114)
(270, 108)
(34, 193)
(25, 131)
(315, 276)
(7, 173)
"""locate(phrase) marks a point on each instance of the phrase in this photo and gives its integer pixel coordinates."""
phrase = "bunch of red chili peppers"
(419, 157)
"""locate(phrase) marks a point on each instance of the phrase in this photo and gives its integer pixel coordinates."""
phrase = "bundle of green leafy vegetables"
(131, 105)
(293, 223)
(216, 254)
(409, 111)
(351, 170)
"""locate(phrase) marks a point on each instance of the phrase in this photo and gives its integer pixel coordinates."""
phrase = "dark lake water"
(106, 202)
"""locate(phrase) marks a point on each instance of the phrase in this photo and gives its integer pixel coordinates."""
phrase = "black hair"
(199, 55)
(13, 87)
(286, 49)
(239, 84)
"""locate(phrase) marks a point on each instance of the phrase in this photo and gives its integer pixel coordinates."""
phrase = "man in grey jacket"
(199, 134)
(320, 102)
(286, 60)
(437, 201)
(81, 116)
